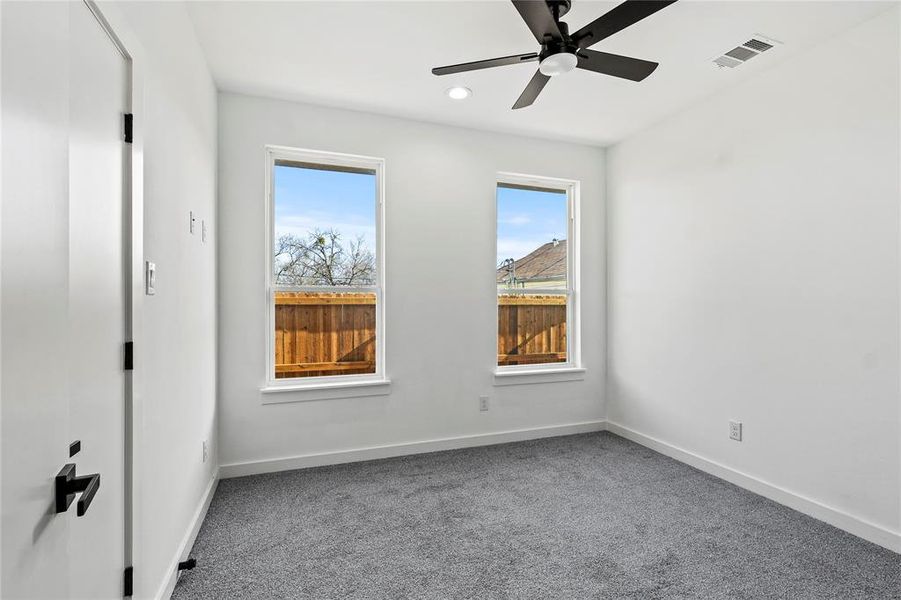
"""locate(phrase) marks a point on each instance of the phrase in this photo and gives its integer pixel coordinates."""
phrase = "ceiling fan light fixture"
(458, 92)
(558, 64)
(561, 52)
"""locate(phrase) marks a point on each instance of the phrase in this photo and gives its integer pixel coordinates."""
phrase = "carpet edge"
(847, 522)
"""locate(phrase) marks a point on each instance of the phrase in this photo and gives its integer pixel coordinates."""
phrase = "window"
(537, 249)
(324, 264)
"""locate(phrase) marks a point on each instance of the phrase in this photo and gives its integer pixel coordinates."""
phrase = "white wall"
(440, 291)
(753, 274)
(176, 354)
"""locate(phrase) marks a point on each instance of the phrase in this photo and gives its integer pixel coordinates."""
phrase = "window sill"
(305, 392)
(502, 378)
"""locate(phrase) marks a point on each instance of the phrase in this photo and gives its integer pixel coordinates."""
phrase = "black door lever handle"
(67, 485)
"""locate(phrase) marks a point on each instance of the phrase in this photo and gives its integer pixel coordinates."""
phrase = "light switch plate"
(150, 278)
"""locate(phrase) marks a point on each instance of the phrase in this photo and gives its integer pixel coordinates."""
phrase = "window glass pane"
(531, 329)
(324, 333)
(325, 224)
(532, 226)
(531, 238)
(324, 236)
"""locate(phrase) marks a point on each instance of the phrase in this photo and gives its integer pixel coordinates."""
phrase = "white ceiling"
(376, 56)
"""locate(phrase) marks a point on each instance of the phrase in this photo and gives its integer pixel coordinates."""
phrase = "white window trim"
(572, 369)
(338, 386)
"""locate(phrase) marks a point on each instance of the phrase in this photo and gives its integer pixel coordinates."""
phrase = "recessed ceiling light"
(458, 92)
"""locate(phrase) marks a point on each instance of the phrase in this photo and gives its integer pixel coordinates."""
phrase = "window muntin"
(325, 267)
(535, 276)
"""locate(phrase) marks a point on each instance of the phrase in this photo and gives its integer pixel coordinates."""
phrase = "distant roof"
(545, 263)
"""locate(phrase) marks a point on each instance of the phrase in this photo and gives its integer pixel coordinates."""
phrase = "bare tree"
(322, 259)
(291, 263)
(360, 266)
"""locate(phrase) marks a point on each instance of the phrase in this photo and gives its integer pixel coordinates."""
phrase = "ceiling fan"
(562, 52)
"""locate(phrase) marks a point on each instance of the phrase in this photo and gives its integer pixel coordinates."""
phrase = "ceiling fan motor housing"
(561, 51)
(557, 47)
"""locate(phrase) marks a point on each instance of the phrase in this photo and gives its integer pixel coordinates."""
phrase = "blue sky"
(307, 199)
(527, 219)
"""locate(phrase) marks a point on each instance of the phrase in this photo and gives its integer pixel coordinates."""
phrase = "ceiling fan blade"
(537, 15)
(626, 14)
(625, 67)
(536, 84)
(485, 64)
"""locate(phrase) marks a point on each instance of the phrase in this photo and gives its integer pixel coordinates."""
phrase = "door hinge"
(128, 580)
(129, 356)
(128, 123)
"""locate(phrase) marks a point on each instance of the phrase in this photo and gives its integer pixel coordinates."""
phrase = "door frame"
(117, 28)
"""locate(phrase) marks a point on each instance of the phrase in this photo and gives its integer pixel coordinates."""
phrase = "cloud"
(516, 248)
(301, 225)
(516, 220)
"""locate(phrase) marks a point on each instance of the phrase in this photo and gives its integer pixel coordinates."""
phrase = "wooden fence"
(334, 333)
(324, 334)
(531, 329)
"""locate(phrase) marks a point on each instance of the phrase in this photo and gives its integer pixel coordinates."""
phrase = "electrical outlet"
(206, 451)
(735, 430)
(483, 403)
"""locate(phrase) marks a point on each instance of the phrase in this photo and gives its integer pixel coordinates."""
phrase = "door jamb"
(116, 26)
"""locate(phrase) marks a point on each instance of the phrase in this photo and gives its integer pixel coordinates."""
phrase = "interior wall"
(440, 290)
(175, 357)
(753, 274)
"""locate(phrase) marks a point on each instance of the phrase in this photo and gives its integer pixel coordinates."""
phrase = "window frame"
(573, 361)
(319, 157)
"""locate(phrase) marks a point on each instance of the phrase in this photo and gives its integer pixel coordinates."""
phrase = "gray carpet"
(586, 516)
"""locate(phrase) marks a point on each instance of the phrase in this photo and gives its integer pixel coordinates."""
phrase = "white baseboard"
(390, 450)
(835, 517)
(184, 548)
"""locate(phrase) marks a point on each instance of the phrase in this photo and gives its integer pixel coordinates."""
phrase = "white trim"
(536, 292)
(537, 374)
(573, 191)
(184, 548)
(298, 391)
(809, 506)
(273, 153)
(119, 30)
(344, 289)
(390, 450)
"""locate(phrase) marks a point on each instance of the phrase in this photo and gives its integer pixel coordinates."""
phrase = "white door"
(97, 101)
(63, 308)
(34, 276)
